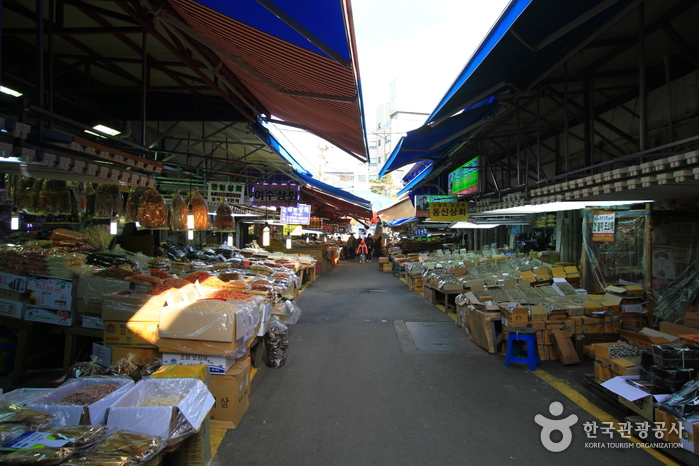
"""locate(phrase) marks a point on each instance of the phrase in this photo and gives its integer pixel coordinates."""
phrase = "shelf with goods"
(78, 286)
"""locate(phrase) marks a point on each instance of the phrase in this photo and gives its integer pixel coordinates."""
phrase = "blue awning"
(333, 191)
(296, 57)
(426, 170)
(263, 135)
(401, 221)
(529, 38)
(432, 142)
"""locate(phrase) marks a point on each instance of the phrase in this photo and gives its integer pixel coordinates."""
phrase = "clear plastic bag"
(276, 343)
(178, 215)
(152, 211)
(200, 211)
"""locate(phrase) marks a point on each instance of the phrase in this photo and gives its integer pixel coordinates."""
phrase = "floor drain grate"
(378, 291)
(430, 337)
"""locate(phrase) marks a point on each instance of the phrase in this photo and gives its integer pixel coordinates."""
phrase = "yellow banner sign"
(448, 211)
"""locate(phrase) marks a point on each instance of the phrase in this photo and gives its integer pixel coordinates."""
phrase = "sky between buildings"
(422, 45)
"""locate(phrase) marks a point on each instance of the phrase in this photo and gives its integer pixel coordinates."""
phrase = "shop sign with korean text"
(423, 201)
(275, 194)
(603, 227)
(299, 215)
(449, 211)
(231, 193)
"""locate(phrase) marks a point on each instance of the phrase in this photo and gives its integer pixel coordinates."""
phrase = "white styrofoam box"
(216, 364)
(52, 292)
(682, 175)
(89, 321)
(665, 178)
(14, 309)
(69, 415)
(168, 422)
(24, 396)
(49, 316)
(13, 282)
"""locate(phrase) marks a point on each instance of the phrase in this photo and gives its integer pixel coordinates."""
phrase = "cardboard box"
(90, 287)
(676, 330)
(50, 316)
(13, 295)
(626, 290)
(11, 282)
(132, 306)
(130, 333)
(632, 397)
(68, 415)
(216, 364)
(186, 323)
(538, 313)
(609, 306)
(163, 421)
(215, 348)
(672, 428)
(622, 366)
(51, 292)
(143, 355)
(602, 372)
(547, 352)
(230, 392)
(626, 305)
(564, 347)
(592, 307)
(646, 338)
(9, 308)
(631, 322)
(691, 319)
(89, 306)
(196, 371)
(514, 314)
(542, 274)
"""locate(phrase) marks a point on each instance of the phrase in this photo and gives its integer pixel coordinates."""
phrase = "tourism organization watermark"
(600, 434)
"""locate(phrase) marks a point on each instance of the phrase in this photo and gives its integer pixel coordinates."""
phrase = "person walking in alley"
(370, 246)
(352, 246)
(362, 250)
(378, 246)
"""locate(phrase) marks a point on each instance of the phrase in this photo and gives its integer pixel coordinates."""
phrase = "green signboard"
(464, 180)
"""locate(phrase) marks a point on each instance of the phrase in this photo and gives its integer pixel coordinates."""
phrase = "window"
(361, 178)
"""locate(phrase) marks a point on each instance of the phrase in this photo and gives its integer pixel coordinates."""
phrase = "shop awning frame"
(297, 58)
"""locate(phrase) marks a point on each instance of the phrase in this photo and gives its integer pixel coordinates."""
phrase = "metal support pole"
(592, 119)
(565, 118)
(40, 61)
(144, 79)
(642, 76)
(52, 17)
(519, 161)
(586, 123)
(538, 135)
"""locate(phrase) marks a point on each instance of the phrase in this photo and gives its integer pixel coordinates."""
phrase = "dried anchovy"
(497, 294)
(548, 291)
(480, 293)
(531, 293)
(567, 289)
(516, 294)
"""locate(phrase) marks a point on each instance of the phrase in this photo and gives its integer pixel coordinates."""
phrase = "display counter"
(324, 259)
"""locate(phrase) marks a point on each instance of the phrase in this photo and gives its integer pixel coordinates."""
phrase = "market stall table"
(437, 296)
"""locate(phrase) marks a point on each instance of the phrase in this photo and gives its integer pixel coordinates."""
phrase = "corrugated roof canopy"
(298, 58)
(528, 40)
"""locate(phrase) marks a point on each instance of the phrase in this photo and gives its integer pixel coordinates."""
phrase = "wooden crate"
(387, 267)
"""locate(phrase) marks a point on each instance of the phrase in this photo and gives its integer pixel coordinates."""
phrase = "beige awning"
(402, 208)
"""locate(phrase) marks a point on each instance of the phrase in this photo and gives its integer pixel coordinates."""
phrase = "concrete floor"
(356, 391)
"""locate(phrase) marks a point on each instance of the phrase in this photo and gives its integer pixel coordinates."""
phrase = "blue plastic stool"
(527, 335)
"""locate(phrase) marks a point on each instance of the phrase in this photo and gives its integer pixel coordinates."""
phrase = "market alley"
(375, 375)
